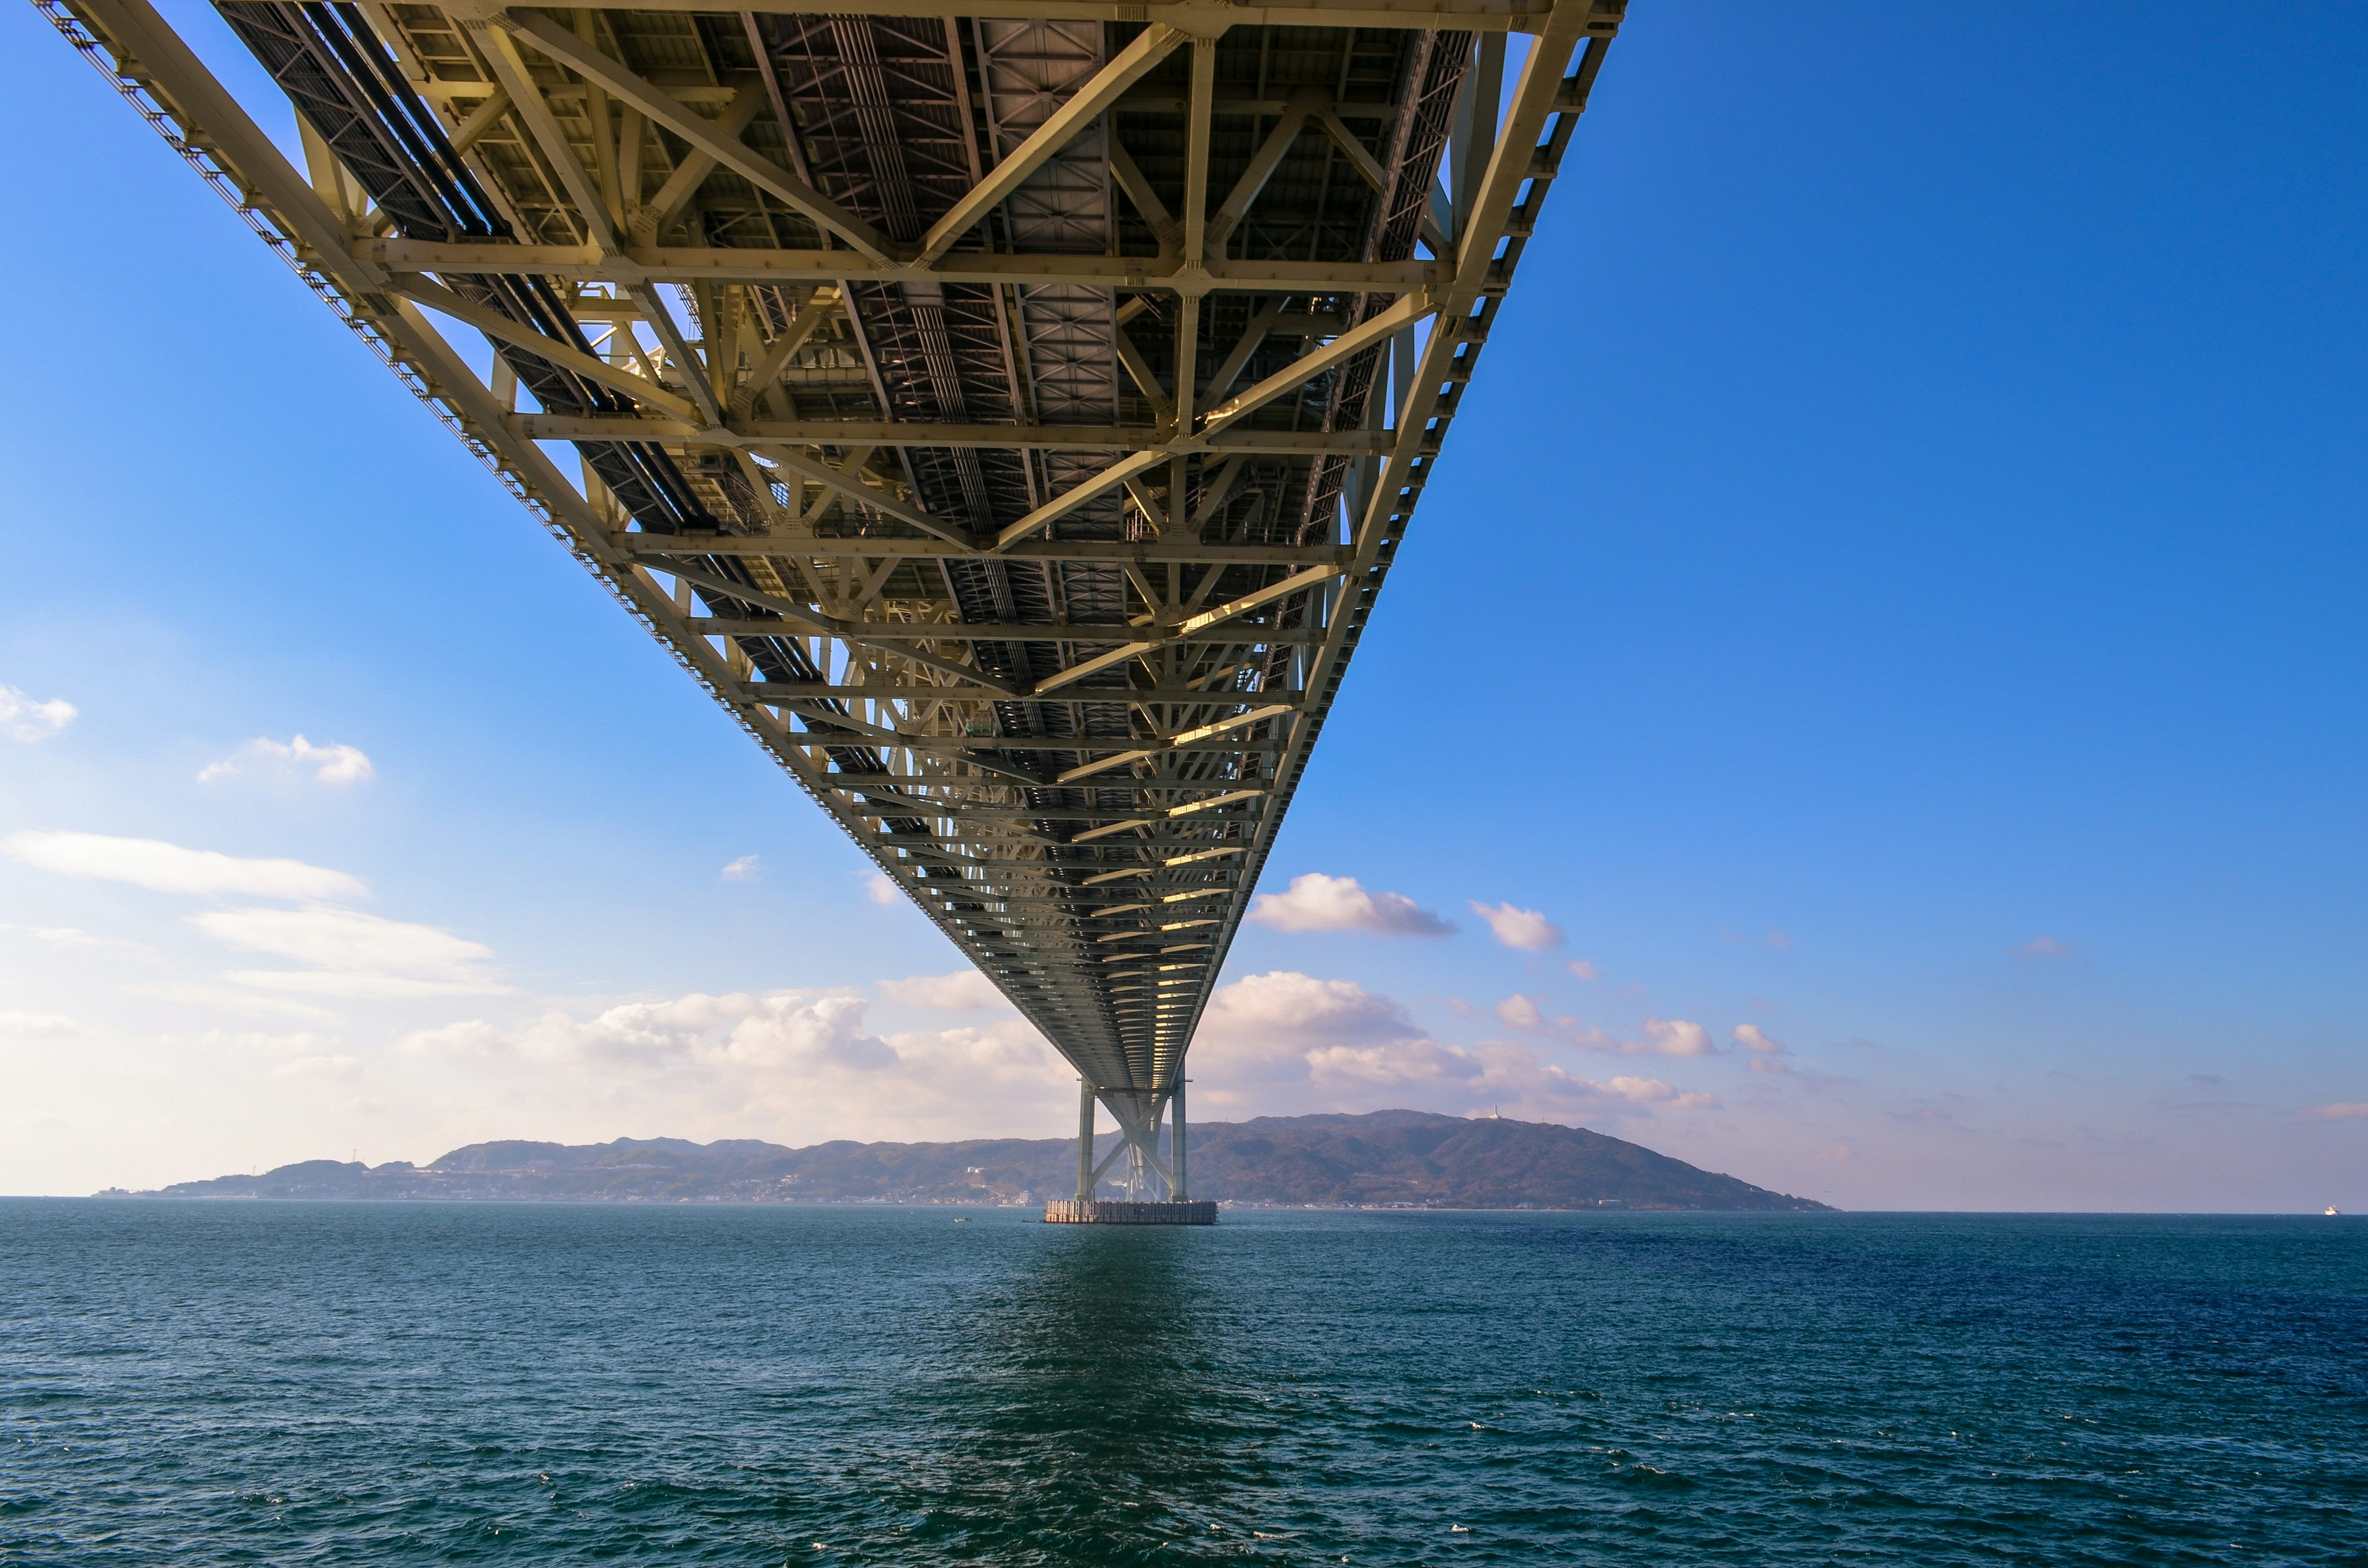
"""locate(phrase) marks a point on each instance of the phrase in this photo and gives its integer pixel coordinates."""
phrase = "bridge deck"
(1008, 411)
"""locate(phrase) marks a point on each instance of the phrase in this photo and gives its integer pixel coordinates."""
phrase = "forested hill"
(1390, 1158)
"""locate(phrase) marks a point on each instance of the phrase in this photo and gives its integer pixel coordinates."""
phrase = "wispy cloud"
(167, 868)
(289, 758)
(1318, 903)
(744, 869)
(2345, 1111)
(229, 1000)
(1584, 969)
(352, 954)
(66, 938)
(22, 719)
(2040, 949)
(961, 990)
(37, 1026)
(334, 1069)
(1525, 929)
(1526, 1014)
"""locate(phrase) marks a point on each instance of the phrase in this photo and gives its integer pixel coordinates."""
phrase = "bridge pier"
(1139, 1116)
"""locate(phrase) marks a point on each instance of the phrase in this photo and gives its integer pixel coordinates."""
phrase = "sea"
(204, 1382)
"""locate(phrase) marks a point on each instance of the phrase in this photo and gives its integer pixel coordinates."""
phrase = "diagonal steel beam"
(494, 325)
(802, 327)
(1185, 630)
(646, 224)
(1308, 366)
(855, 490)
(1062, 127)
(596, 67)
(1077, 494)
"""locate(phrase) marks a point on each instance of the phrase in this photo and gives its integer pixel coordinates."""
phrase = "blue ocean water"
(225, 1382)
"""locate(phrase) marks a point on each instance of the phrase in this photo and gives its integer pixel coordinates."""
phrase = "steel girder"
(1008, 413)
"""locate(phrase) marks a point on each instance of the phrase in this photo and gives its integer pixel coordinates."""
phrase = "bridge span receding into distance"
(1008, 409)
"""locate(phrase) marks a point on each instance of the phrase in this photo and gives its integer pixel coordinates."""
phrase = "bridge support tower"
(1139, 1117)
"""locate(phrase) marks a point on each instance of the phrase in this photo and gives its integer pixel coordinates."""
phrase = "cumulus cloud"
(1652, 1091)
(2345, 1111)
(959, 992)
(1584, 969)
(1672, 1037)
(1523, 928)
(1751, 1036)
(2039, 948)
(167, 868)
(790, 1065)
(37, 1026)
(352, 954)
(744, 869)
(289, 758)
(880, 888)
(1318, 903)
(22, 719)
(1285, 1041)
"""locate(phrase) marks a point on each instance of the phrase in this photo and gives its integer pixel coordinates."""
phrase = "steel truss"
(1008, 412)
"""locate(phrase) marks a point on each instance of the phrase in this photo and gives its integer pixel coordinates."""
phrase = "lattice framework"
(1009, 413)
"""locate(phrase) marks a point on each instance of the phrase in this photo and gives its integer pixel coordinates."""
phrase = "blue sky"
(1933, 451)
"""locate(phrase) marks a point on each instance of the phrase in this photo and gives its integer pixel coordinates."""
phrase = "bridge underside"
(1008, 412)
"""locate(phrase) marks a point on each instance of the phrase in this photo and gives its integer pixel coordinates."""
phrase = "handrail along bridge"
(1008, 410)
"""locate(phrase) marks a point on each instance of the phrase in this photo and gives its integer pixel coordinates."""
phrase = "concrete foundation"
(1100, 1212)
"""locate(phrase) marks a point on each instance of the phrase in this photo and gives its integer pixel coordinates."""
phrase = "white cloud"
(37, 1026)
(1318, 903)
(1518, 1012)
(22, 719)
(167, 868)
(792, 1065)
(230, 1001)
(744, 869)
(333, 1068)
(1752, 1038)
(352, 954)
(2342, 1112)
(327, 765)
(1523, 928)
(880, 888)
(1673, 1037)
(958, 992)
(362, 985)
(1286, 1042)
(248, 1044)
(1584, 969)
(65, 939)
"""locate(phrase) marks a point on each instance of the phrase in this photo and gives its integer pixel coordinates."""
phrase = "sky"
(1871, 703)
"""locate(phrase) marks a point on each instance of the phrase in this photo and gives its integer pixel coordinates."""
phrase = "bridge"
(1008, 409)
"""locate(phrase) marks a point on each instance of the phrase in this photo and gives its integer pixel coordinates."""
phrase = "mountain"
(1387, 1159)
